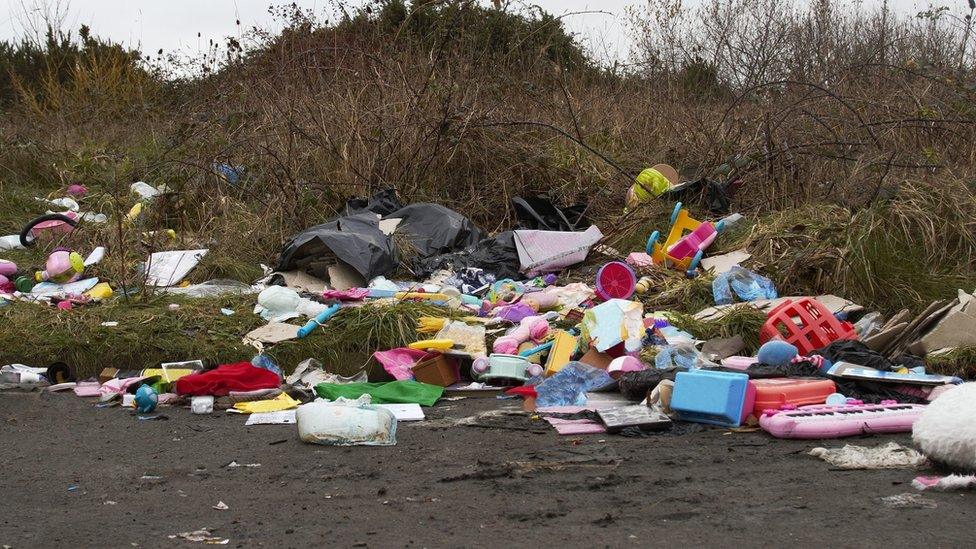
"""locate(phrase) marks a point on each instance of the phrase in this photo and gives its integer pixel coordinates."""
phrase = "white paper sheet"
(169, 268)
(405, 412)
(284, 417)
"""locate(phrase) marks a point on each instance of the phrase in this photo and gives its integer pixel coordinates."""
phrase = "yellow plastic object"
(134, 212)
(100, 291)
(277, 404)
(644, 285)
(435, 344)
(421, 295)
(535, 358)
(683, 225)
(169, 374)
(651, 183)
(563, 346)
(430, 324)
(168, 233)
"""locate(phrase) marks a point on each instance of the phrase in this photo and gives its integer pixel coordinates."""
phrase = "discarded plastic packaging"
(568, 386)
(346, 423)
(746, 284)
(213, 288)
(548, 251)
(681, 355)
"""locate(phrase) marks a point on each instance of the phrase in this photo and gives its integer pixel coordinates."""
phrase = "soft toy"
(531, 327)
(946, 432)
(776, 353)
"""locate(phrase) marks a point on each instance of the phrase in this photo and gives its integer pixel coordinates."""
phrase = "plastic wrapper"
(213, 288)
(346, 423)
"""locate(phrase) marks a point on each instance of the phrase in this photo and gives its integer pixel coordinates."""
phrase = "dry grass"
(858, 174)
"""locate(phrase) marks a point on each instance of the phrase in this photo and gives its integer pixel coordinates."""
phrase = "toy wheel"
(652, 241)
(675, 212)
(720, 226)
(693, 266)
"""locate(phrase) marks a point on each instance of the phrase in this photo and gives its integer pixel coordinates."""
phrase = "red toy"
(772, 394)
(805, 323)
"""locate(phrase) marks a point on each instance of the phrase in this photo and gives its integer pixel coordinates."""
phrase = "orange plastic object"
(805, 323)
(771, 394)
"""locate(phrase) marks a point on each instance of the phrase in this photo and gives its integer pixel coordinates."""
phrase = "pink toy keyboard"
(821, 421)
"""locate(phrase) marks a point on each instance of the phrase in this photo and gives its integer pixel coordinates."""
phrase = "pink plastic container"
(699, 239)
(53, 226)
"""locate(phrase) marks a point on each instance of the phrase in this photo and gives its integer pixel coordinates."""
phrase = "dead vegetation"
(849, 131)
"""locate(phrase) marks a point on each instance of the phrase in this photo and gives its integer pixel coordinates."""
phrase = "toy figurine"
(62, 267)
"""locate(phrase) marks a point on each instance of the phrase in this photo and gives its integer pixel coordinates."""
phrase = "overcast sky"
(173, 24)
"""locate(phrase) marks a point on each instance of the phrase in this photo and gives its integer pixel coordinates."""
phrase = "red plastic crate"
(805, 323)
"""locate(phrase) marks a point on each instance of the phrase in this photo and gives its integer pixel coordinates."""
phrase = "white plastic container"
(202, 405)
(348, 423)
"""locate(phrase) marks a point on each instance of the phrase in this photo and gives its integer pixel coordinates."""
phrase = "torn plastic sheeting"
(213, 288)
(356, 240)
(497, 255)
(948, 482)
(399, 362)
(50, 289)
(550, 251)
(381, 203)
(434, 229)
(888, 456)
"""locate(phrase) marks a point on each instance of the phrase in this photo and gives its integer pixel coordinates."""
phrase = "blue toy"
(318, 320)
(777, 353)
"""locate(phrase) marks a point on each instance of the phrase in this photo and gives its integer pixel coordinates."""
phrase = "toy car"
(686, 242)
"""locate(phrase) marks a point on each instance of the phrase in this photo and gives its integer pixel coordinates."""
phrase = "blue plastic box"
(718, 398)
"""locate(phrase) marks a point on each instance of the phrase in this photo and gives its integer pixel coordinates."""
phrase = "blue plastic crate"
(717, 398)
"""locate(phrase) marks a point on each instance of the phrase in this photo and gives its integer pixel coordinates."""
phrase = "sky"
(173, 25)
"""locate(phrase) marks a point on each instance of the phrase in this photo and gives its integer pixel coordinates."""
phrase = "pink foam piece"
(576, 426)
(640, 259)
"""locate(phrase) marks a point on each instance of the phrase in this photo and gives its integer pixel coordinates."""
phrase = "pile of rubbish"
(586, 357)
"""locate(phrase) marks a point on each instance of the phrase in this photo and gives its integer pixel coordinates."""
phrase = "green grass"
(957, 362)
(149, 333)
(744, 321)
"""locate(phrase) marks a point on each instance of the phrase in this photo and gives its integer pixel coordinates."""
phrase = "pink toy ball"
(64, 305)
(6, 286)
(77, 190)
